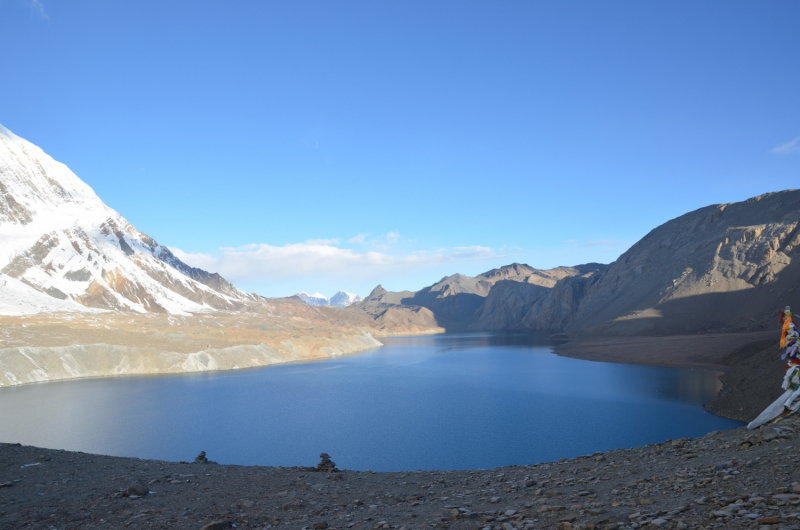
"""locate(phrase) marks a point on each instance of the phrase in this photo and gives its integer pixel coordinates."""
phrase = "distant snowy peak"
(62, 243)
(313, 299)
(344, 299)
(340, 299)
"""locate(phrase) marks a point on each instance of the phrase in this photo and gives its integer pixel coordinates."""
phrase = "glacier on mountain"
(340, 299)
(344, 299)
(65, 249)
(315, 299)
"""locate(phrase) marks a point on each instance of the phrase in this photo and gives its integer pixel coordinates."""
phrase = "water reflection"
(444, 401)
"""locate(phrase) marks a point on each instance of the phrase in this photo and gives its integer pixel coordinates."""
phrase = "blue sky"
(319, 146)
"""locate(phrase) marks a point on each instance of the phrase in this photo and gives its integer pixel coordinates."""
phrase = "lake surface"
(448, 401)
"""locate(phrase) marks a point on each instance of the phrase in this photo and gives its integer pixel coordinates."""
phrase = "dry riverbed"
(731, 479)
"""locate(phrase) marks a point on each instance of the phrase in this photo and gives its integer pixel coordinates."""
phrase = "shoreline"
(674, 351)
(734, 477)
(622, 350)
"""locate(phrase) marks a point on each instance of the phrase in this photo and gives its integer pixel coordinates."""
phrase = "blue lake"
(448, 401)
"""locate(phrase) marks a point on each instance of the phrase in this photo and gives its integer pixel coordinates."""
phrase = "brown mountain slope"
(725, 267)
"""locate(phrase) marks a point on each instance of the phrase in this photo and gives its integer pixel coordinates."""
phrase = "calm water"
(439, 402)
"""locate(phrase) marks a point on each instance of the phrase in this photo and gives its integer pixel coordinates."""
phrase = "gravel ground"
(752, 383)
(731, 479)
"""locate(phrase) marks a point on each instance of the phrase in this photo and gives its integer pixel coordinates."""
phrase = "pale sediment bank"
(24, 365)
(730, 479)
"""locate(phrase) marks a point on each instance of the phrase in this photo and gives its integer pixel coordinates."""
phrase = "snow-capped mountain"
(344, 299)
(59, 242)
(340, 299)
(313, 299)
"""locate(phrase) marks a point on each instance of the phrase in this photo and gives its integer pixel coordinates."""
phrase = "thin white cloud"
(788, 148)
(38, 8)
(320, 258)
(381, 243)
(360, 239)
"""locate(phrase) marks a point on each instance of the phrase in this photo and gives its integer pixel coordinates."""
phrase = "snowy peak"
(340, 299)
(344, 299)
(315, 299)
(59, 239)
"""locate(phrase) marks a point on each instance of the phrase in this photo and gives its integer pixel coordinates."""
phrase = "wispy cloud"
(37, 7)
(792, 146)
(381, 242)
(360, 239)
(323, 258)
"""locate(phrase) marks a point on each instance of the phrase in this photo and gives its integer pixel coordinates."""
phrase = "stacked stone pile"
(326, 465)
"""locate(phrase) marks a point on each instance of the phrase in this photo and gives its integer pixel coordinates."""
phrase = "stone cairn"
(326, 466)
(201, 458)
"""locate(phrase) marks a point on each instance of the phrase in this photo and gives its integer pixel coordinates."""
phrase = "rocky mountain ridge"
(503, 298)
(722, 268)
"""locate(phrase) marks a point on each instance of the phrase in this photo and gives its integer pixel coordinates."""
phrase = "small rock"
(494, 500)
(769, 520)
(320, 526)
(768, 434)
(786, 496)
(658, 522)
(645, 501)
(137, 489)
(218, 525)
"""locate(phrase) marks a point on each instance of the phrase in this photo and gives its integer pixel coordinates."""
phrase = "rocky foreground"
(731, 479)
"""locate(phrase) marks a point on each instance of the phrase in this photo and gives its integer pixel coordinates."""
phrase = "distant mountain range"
(340, 299)
(726, 267)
